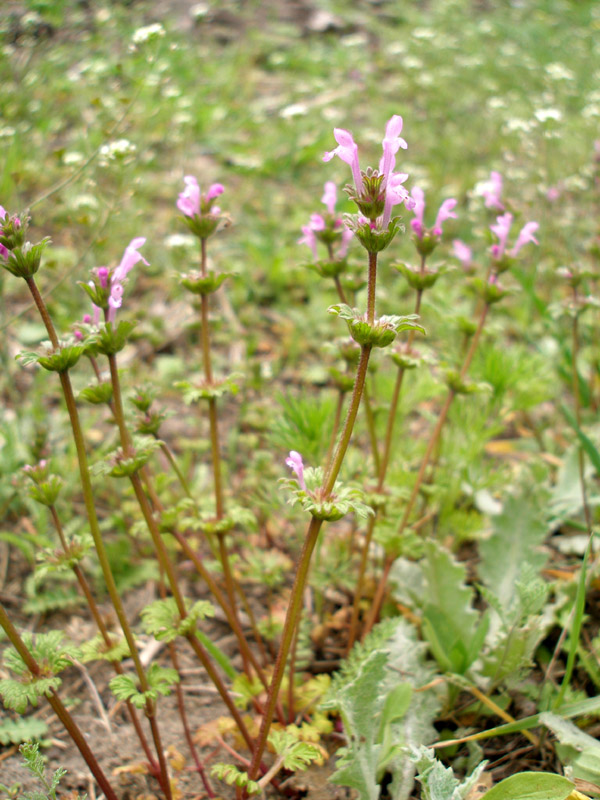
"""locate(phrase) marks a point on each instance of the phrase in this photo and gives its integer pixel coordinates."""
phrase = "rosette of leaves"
(197, 283)
(342, 381)
(55, 359)
(61, 560)
(143, 398)
(52, 657)
(97, 649)
(461, 385)
(466, 325)
(117, 466)
(572, 308)
(381, 333)
(108, 339)
(46, 491)
(163, 621)
(342, 500)
(421, 279)
(374, 240)
(192, 393)
(410, 359)
(491, 291)
(160, 681)
(98, 394)
(329, 268)
(149, 422)
(24, 261)
(195, 518)
(234, 777)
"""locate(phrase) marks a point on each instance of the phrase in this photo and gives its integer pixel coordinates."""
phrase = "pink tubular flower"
(330, 197)
(392, 142)
(462, 252)
(525, 236)
(446, 212)
(189, 200)
(501, 229)
(418, 198)
(310, 239)
(347, 150)
(395, 193)
(492, 191)
(102, 275)
(346, 239)
(294, 462)
(130, 259)
(317, 223)
(214, 190)
(328, 229)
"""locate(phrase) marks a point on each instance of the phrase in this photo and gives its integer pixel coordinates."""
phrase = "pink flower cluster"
(294, 462)
(392, 181)
(192, 203)
(112, 281)
(445, 212)
(492, 191)
(318, 225)
(4, 219)
(463, 253)
(502, 229)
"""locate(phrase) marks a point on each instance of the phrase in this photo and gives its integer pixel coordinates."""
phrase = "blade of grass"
(590, 706)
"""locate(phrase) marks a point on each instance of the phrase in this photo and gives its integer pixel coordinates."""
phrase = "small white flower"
(545, 114)
(118, 149)
(423, 33)
(558, 72)
(591, 110)
(72, 158)
(147, 33)
(293, 110)
(180, 240)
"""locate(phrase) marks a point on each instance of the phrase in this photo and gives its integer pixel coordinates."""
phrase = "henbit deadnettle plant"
(375, 193)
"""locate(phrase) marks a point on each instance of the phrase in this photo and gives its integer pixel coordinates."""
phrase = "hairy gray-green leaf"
(359, 702)
(518, 533)
(577, 749)
(437, 781)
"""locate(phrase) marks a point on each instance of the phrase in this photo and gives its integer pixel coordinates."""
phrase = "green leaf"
(15, 731)
(17, 695)
(234, 777)
(531, 786)
(518, 533)
(450, 623)
(163, 621)
(577, 749)
(160, 679)
(97, 649)
(395, 706)
(297, 754)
